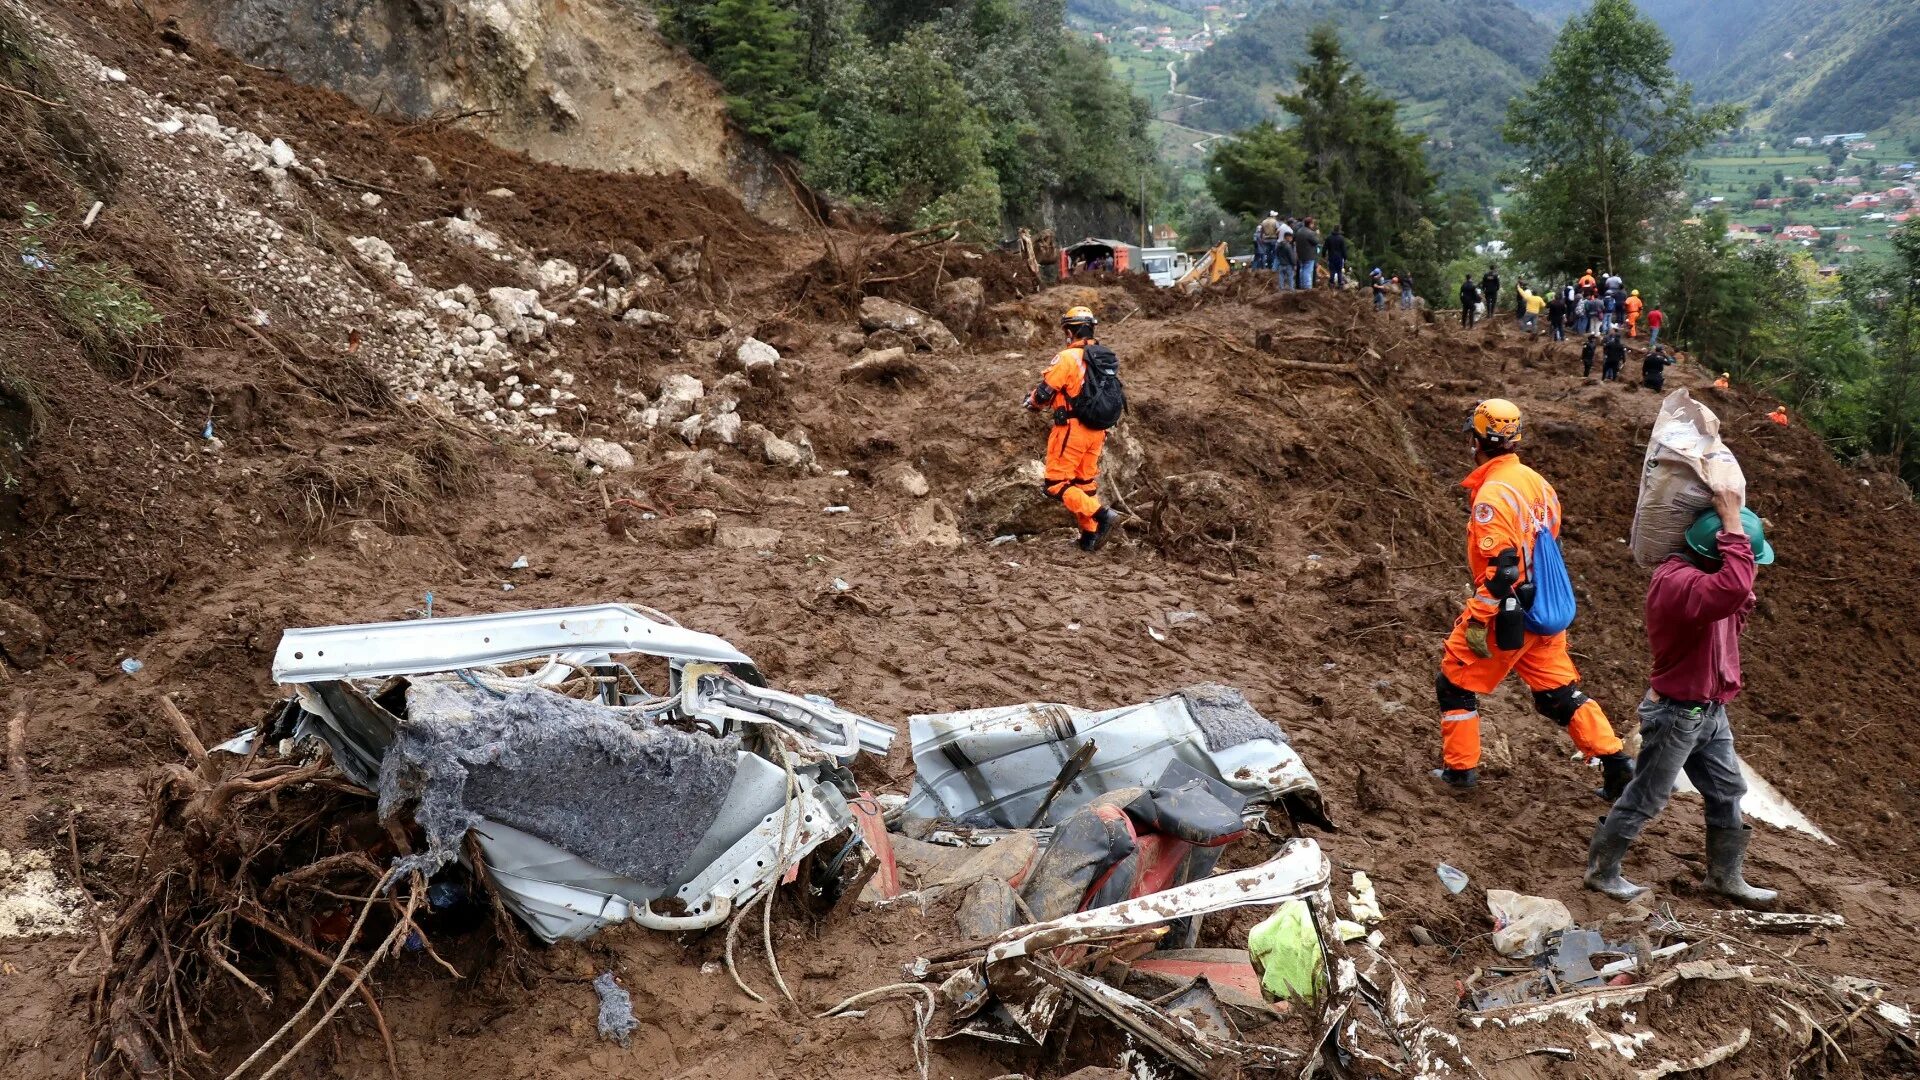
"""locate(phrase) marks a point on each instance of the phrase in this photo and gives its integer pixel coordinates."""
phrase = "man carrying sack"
(1697, 606)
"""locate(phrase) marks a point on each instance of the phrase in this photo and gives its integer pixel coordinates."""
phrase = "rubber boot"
(1608, 847)
(1461, 779)
(1104, 522)
(1726, 856)
(1616, 771)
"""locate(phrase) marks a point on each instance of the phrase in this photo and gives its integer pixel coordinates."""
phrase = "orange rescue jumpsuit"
(1510, 500)
(1073, 450)
(1634, 306)
(1588, 286)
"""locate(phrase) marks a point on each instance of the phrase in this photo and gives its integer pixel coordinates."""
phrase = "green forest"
(980, 111)
(1451, 66)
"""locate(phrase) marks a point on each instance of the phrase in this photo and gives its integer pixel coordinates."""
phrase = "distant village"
(1885, 196)
(1216, 20)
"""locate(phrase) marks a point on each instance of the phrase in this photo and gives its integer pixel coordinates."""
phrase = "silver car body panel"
(997, 764)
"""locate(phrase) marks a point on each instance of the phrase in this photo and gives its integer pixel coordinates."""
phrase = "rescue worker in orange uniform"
(1589, 285)
(1779, 416)
(1634, 306)
(1073, 449)
(1725, 380)
(1511, 503)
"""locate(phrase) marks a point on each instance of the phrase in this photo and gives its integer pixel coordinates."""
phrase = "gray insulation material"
(616, 1009)
(628, 797)
(1225, 718)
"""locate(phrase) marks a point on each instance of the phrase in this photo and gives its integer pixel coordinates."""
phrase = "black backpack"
(1101, 399)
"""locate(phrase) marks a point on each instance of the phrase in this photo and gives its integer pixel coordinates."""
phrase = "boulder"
(1014, 500)
(878, 313)
(607, 454)
(724, 427)
(645, 319)
(933, 524)
(554, 275)
(678, 398)
(960, 301)
(23, 637)
(689, 429)
(755, 355)
(517, 314)
(847, 342)
(882, 366)
(903, 479)
(693, 529)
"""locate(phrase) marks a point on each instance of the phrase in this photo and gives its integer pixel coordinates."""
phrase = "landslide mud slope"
(1296, 535)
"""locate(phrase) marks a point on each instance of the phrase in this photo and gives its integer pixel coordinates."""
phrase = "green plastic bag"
(1286, 951)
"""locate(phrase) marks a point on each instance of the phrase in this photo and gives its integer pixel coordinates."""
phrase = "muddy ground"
(1322, 573)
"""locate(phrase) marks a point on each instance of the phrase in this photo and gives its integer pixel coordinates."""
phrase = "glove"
(1477, 639)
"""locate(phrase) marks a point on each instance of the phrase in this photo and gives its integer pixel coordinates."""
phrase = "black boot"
(1104, 522)
(1726, 857)
(1604, 852)
(1462, 779)
(1616, 770)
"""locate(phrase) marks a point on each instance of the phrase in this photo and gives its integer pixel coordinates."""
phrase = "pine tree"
(757, 56)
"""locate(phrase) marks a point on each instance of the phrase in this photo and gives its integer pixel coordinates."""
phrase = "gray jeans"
(1698, 740)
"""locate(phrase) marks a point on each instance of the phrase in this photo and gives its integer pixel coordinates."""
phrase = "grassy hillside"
(1453, 65)
(1802, 65)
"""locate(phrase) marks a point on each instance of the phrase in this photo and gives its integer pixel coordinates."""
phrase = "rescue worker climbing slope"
(1073, 447)
(1511, 503)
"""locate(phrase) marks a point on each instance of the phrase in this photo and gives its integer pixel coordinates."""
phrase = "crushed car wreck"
(706, 786)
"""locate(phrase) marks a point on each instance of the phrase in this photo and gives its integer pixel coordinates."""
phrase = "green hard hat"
(1704, 536)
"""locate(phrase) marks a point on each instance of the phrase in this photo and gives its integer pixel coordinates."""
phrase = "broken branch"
(182, 729)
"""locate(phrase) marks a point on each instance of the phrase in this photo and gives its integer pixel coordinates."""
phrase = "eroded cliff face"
(589, 83)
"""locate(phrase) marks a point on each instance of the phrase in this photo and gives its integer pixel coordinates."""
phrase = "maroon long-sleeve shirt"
(1694, 620)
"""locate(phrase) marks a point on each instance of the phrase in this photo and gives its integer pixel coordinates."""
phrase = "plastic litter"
(519, 563)
(840, 585)
(1286, 951)
(1348, 930)
(1452, 877)
(1521, 922)
(998, 540)
(838, 510)
(616, 1010)
(445, 894)
(131, 666)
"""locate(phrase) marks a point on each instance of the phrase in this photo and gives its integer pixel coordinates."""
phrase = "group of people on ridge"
(1516, 620)
(1604, 312)
(1292, 247)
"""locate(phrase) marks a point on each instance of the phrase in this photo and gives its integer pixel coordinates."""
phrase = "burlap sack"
(1685, 462)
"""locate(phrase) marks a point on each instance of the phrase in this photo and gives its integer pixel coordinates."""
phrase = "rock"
(518, 313)
(689, 429)
(779, 451)
(379, 255)
(677, 396)
(756, 355)
(280, 154)
(619, 268)
(740, 538)
(554, 275)
(678, 261)
(960, 301)
(847, 342)
(882, 340)
(645, 319)
(693, 529)
(883, 366)
(23, 637)
(878, 313)
(369, 200)
(500, 193)
(802, 442)
(904, 479)
(423, 165)
(725, 427)
(609, 455)
(169, 127)
(560, 107)
(1015, 501)
(933, 524)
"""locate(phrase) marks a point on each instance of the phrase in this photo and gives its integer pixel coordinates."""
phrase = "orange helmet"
(1079, 318)
(1496, 422)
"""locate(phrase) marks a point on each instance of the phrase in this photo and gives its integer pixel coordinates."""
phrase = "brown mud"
(1307, 516)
